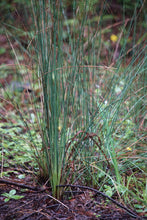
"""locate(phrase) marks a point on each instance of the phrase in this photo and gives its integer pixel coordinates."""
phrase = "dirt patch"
(75, 205)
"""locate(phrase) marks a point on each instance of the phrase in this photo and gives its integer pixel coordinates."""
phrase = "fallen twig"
(38, 189)
(131, 213)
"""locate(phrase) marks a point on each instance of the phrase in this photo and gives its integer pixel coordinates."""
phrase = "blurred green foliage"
(8, 8)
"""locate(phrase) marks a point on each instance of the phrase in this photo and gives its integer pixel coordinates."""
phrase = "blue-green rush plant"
(71, 105)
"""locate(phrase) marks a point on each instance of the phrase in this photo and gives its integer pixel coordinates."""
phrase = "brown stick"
(131, 213)
(41, 189)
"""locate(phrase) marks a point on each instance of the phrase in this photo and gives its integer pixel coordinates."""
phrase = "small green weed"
(11, 195)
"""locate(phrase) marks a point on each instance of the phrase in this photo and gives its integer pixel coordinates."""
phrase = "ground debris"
(39, 205)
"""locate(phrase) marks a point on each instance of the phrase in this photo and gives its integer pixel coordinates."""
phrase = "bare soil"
(76, 205)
